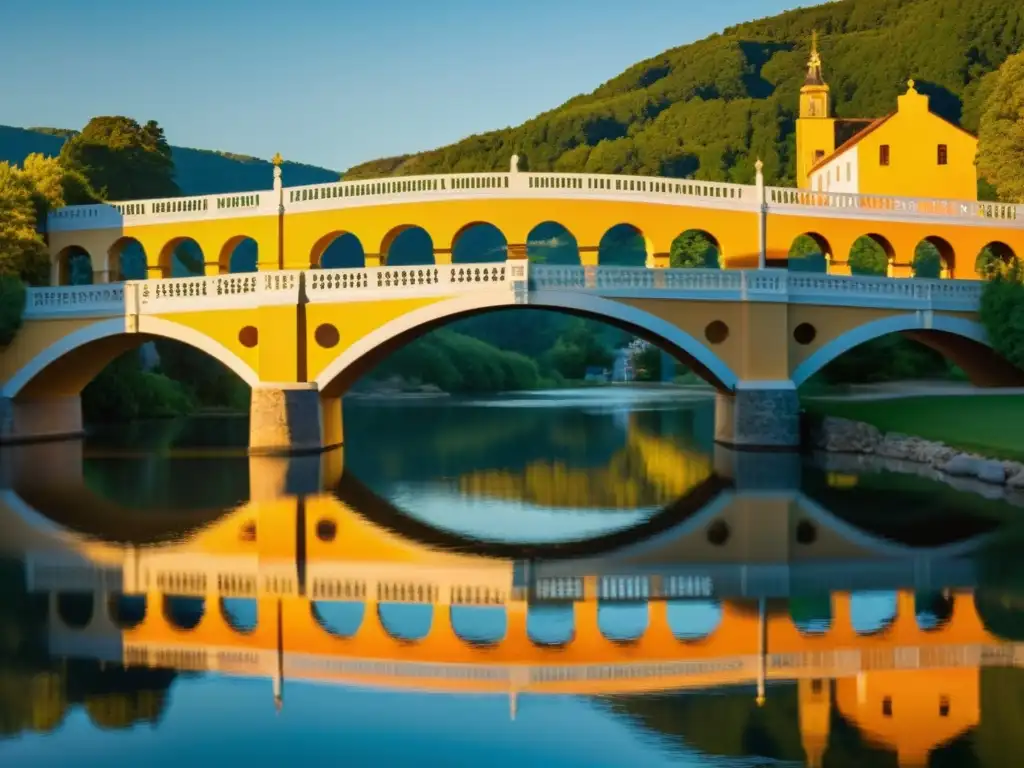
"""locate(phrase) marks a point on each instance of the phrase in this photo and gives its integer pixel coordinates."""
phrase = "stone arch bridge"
(301, 334)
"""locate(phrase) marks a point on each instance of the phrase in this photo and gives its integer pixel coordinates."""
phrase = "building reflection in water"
(744, 584)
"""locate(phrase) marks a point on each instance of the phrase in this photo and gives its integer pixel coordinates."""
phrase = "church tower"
(815, 128)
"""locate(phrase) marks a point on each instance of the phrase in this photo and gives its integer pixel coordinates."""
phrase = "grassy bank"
(989, 425)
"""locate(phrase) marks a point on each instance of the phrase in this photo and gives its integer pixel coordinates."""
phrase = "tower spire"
(814, 76)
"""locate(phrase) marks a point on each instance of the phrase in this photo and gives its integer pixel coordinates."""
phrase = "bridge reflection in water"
(308, 581)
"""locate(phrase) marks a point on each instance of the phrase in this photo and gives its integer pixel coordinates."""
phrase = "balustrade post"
(762, 217)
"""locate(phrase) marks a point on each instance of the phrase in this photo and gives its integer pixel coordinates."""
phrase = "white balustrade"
(75, 301)
(883, 206)
(332, 285)
(504, 280)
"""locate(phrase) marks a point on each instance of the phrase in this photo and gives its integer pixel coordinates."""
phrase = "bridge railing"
(797, 199)
(506, 281)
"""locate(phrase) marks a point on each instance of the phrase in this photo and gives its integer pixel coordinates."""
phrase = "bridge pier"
(292, 418)
(759, 415)
(34, 420)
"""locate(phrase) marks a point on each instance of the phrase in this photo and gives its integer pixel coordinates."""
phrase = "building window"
(943, 154)
(944, 706)
(819, 155)
(849, 171)
(887, 706)
(883, 154)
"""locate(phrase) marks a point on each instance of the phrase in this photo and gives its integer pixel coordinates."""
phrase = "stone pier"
(36, 419)
(291, 418)
(759, 415)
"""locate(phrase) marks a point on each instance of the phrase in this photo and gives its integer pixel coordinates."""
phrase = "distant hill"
(707, 110)
(198, 171)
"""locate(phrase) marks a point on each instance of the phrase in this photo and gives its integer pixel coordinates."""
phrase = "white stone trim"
(290, 385)
(613, 310)
(912, 321)
(117, 326)
(332, 286)
(408, 322)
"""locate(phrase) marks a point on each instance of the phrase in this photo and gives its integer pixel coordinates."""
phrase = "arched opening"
(907, 347)
(933, 610)
(177, 370)
(184, 613)
(551, 243)
(811, 614)
(598, 335)
(182, 257)
(479, 243)
(75, 609)
(409, 622)
(693, 619)
(624, 245)
(934, 258)
(74, 266)
(1001, 612)
(127, 611)
(872, 612)
(550, 624)
(994, 258)
(810, 252)
(622, 622)
(695, 249)
(341, 618)
(871, 255)
(407, 246)
(479, 624)
(240, 613)
(126, 260)
(338, 250)
(239, 254)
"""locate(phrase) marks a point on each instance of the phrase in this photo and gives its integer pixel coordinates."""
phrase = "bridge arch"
(415, 238)
(336, 377)
(994, 256)
(338, 249)
(802, 251)
(551, 242)
(78, 357)
(482, 236)
(126, 249)
(946, 254)
(64, 264)
(624, 245)
(240, 253)
(962, 342)
(165, 259)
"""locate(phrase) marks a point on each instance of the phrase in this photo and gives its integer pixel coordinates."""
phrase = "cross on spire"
(814, 76)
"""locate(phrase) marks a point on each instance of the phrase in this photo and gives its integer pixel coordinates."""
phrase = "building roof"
(852, 142)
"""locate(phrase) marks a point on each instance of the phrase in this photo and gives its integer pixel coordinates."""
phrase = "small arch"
(240, 613)
(126, 260)
(407, 245)
(872, 612)
(126, 611)
(340, 618)
(181, 257)
(810, 252)
(993, 258)
(624, 245)
(479, 243)
(240, 254)
(622, 622)
(695, 249)
(811, 614)
(871, 254)
(692, 620)
(551, 243)
(933, 610)
(934, 258)
(550, 624)
(479, 624)
(74, 266)
(182, 612)
(75, 609)
(338, 250)
(408, 622)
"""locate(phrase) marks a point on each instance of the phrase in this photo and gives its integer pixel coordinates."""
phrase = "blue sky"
(330, 82)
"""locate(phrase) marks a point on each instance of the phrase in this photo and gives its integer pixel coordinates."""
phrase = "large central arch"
(89, 350)
(361, 356)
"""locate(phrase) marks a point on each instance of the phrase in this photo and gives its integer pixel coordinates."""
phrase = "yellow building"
(911, 152)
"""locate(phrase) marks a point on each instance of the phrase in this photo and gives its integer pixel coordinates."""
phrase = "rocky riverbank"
(899, 452)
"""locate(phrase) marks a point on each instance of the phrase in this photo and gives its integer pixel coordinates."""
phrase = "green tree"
(121, 159)
(22, 250)
(1002, 312)
(1001, 137)
(694, 249)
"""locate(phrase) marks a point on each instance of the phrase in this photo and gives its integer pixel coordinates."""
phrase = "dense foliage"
(709, 109)
(1001, 138)
(1002, 312)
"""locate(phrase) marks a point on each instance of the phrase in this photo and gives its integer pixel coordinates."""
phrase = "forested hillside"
(196, 171)
(709, 109)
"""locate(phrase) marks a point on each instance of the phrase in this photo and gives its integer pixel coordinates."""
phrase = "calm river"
(571, 578)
